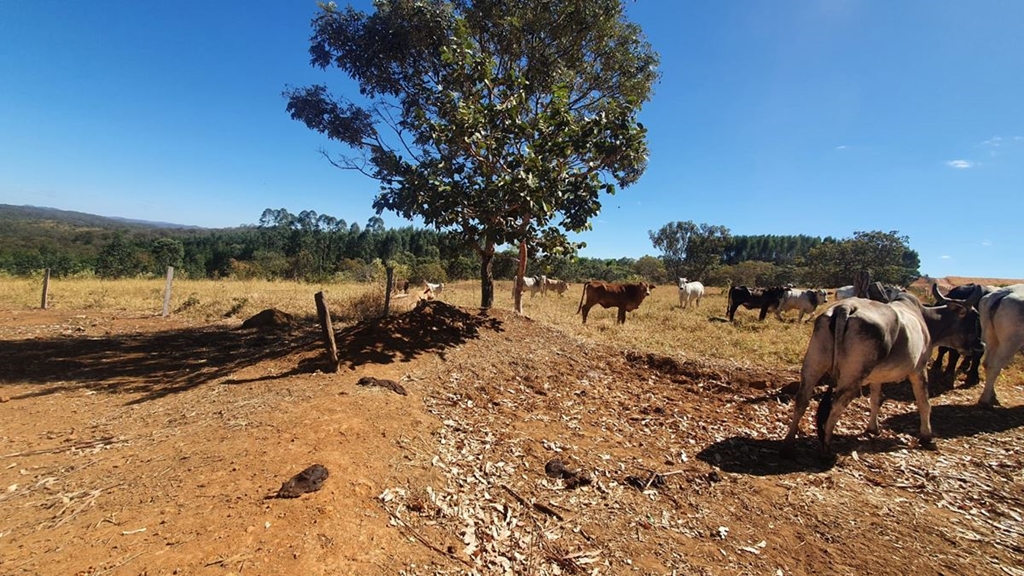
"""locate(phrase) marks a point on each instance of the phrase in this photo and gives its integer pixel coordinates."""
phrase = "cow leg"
(996, 358)
(817, 362)
(876, 404)
(973, 362)
(843, 395)
(920, 385)
(622, 315)
(585, 310)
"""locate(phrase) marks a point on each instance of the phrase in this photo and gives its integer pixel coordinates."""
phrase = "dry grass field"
(137, 444)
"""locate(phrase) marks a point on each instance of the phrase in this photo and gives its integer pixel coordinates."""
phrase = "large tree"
(500, 120)
(886, 255)
(689, 249)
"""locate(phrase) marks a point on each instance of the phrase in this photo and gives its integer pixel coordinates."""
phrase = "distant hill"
(924, 283)
(11, 213)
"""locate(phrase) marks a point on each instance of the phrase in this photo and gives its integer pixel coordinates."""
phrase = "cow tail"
(840, 316)
(580, 309)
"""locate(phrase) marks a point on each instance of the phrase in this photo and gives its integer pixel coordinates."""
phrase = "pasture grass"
(659, 325)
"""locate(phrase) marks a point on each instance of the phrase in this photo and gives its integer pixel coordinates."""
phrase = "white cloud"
(961, 164)
(995, 142)
(986, 242)
(842, 147)
(946, 257)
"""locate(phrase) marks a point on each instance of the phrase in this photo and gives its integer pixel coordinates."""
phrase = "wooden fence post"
(390, 269)
(46, 287)
(327, 329)
(167, 290)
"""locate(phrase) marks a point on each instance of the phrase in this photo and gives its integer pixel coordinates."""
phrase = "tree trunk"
(520, 284)
(486, 278)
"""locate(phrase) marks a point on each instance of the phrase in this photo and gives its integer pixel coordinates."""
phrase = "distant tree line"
(306, 246)
(712, 255)
(316, 247)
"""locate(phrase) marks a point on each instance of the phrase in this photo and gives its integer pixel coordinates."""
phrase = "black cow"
(767, 299)
(971, 294)
(625, 297)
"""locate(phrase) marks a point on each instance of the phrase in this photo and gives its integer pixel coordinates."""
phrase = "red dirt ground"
(150, 446)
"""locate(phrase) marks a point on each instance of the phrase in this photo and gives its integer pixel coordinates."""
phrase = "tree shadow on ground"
(156, 364)
(153, 364)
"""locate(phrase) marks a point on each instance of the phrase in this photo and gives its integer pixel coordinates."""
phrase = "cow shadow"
(959, 420)
(764, 457)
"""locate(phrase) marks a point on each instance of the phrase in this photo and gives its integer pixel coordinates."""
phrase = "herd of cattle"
(887, 336)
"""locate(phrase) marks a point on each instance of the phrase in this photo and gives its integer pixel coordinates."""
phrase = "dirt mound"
(269, 318)
(105, 468)
(432, 326)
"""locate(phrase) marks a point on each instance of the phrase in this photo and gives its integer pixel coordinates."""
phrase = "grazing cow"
(625, 297)
(764, 298)
(533, 284)
(690, 290)
(806, 301)
(860, 341)
(1002, 329)
(555, 284)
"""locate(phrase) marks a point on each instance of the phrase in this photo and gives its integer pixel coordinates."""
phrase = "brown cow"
(625, 297)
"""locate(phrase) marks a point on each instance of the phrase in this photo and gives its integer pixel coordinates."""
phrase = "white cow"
(1002, 330)
(690, 290)
(432, 290)
(847, 292)
(533, 284)
(806, 301)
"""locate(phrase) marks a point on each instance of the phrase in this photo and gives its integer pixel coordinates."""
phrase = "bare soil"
(154, 446)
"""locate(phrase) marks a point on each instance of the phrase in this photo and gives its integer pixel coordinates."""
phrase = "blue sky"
(819, 117)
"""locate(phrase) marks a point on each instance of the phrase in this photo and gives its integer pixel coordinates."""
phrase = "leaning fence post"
(328, 331)
(167, 290)
(46, 287)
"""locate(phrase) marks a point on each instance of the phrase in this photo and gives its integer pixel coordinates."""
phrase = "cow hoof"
(988, 405)
(927, 444)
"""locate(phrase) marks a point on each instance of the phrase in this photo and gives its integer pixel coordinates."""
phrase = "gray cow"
(1002, 329)
(860, 341)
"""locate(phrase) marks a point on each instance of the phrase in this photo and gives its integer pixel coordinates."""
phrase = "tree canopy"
(501, 121)
(887, 255)
(689, 249)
